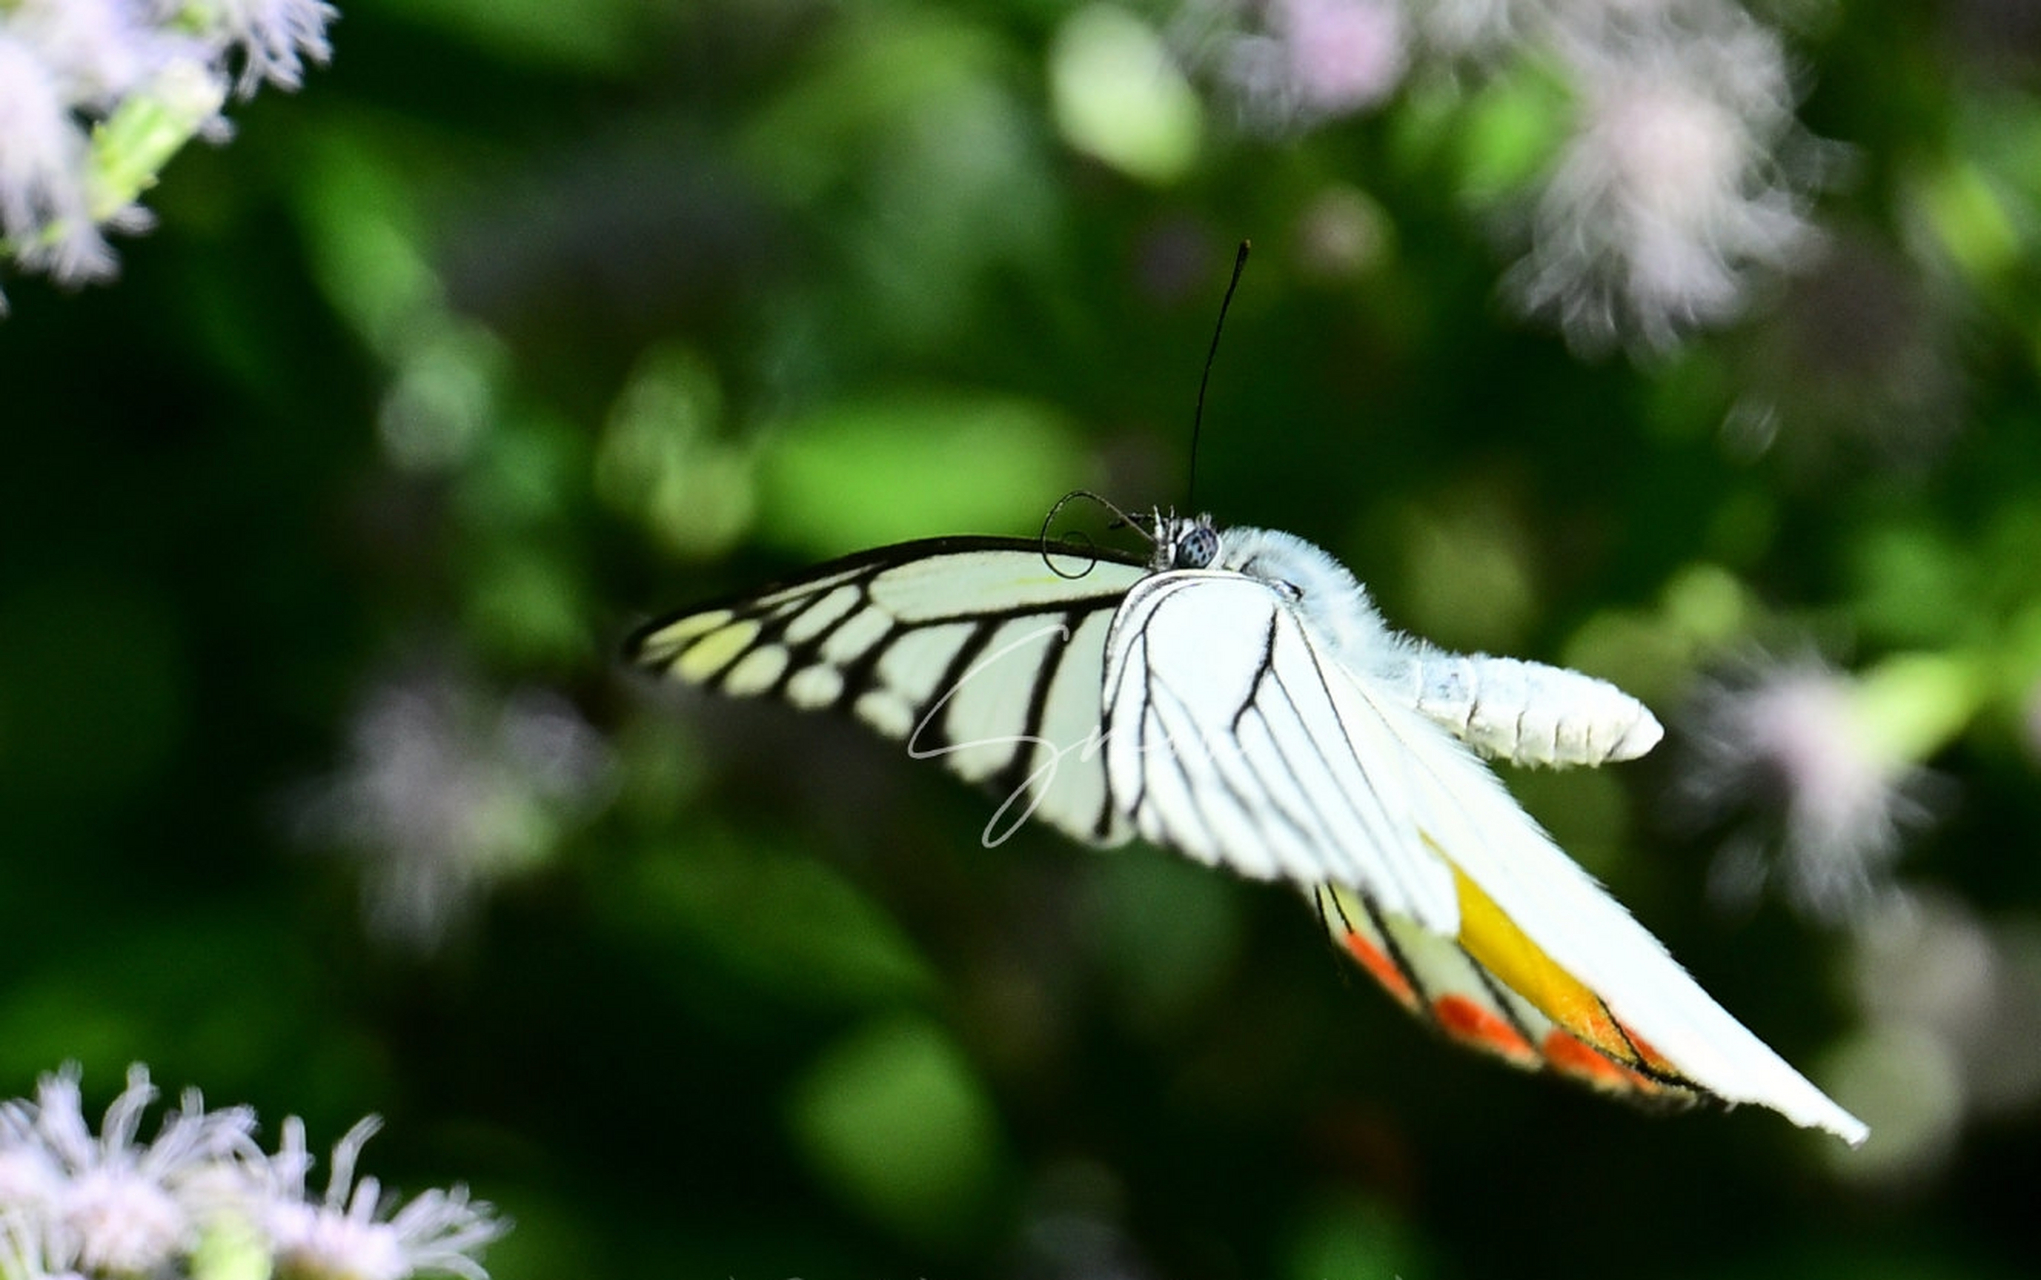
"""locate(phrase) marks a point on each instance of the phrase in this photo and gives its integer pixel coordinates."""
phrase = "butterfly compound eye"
(1197, 547)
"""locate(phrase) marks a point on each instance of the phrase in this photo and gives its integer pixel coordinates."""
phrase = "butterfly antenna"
(1076, 535)
(1198, 417)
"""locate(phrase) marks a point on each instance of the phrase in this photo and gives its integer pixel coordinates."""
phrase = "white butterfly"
(1238, 698)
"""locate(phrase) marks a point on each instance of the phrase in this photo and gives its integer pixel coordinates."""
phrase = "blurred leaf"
(1915, 704)
(897, 1122)
(1119, 97)
(1704, 614)
(444, 397)
(587, 36)
(1914, 587)
(524, 606)
(366, 240)
(205, 989)
(1467, 583)
(1355, 1236)
(913, 146)
(1971, 220)
(662, 459)
(1509, 130)
(1638, 652)
(911, 465)
(1707, 606)
(786, 922)
(1168, 931)
(874, 79)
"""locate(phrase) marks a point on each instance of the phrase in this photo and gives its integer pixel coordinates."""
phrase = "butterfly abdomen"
(1529, 713)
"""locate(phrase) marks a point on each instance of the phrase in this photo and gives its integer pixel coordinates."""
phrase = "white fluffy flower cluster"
(449, 788)
(75, 1205)
(1673, 189)
(97, 95)
(1790, 735)
(1683, 175)
(1315, 59)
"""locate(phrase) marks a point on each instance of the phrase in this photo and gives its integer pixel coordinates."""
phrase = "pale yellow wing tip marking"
(657, 648)
(698, 646)
(815, 687)
(755, 671)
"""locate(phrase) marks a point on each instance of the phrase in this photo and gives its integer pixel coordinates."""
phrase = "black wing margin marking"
(895, 637)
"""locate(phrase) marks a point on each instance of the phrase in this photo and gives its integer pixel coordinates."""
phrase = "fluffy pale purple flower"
(1684, 180)
(1671, 193)
(1789, 737)
(74, 1203)
(449, 788)
(273, 38)
(118, 1205)
(1315, 59)
(44, 210)
(96, 95)
(1465, 28)
(100, 50)
(350, 1233)
(35, 1247)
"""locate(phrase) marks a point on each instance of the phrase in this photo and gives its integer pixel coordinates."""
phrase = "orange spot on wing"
(1469, 1022)
(1380, 967)
(1569, 1056)
(1649, 1056)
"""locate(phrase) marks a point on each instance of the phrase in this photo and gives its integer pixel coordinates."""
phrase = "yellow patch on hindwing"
(1491, 937)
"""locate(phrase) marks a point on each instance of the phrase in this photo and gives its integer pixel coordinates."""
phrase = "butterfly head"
(1185, 542)
(1313, 585)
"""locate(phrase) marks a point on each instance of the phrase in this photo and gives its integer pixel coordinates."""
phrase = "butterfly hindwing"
(1439, 981)
(985, 653)
(1235, 735)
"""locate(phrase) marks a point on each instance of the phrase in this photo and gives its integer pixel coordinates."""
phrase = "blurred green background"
(321, 789)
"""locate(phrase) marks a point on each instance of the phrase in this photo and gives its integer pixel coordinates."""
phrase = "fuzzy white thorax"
(1508, 708)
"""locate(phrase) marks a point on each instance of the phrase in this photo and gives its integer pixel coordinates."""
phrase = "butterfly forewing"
(1254, 763)
(980, 652)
